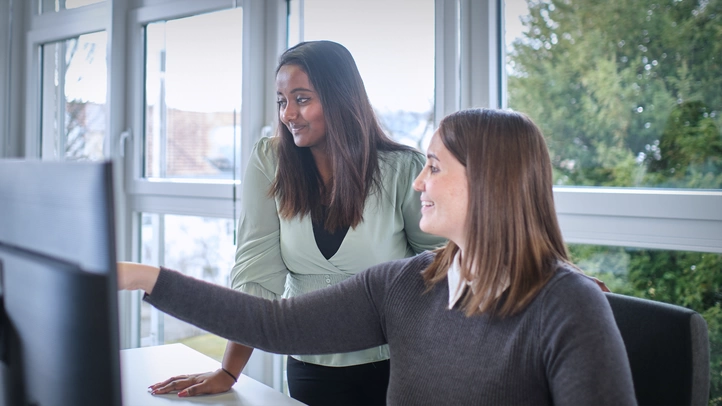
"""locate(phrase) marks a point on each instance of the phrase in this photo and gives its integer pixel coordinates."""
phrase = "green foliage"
(629, 94)
(605, 80)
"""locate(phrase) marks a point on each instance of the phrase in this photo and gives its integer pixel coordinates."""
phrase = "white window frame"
(47, 28)
(167, 195)
(206, 198)
(7, 40)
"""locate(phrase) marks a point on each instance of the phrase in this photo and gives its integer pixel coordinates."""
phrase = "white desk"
(142, 367)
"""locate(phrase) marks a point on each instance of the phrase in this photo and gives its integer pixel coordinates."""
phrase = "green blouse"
(278, 257)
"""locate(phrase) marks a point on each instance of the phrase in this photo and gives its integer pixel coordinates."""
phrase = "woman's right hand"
(196, 384)
(132, 276)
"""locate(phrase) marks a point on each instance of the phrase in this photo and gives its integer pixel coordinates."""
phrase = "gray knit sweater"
(563, 349)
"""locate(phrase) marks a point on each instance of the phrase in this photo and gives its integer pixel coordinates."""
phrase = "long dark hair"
(512, 233)
(353, 138)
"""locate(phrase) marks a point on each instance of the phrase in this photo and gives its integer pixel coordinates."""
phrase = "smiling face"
(299, 107)
(444, 194)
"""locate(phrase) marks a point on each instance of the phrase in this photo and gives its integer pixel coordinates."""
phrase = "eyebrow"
(430, 156)
(296, 90)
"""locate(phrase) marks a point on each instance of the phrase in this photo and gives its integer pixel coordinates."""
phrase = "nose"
(288, 113)
(418, 182)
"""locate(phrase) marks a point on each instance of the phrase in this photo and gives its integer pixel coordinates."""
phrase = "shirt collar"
(457, 286)
(453, 276)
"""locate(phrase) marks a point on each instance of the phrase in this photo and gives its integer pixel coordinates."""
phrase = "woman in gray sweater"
(497, 316)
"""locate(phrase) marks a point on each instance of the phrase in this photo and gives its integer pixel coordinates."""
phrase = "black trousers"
(318, 385)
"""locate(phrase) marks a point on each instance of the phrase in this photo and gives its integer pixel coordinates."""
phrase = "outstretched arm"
(341, 318)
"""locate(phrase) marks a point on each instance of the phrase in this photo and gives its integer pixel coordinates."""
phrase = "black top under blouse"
(328, 243)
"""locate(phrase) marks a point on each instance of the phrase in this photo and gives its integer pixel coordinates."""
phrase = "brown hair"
(512, 231)
(353, 136)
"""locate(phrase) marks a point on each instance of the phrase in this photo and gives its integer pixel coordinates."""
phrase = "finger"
(195, 390)
(173, 386)
(167, 381)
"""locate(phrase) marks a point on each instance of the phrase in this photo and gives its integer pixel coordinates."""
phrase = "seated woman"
(497, 316)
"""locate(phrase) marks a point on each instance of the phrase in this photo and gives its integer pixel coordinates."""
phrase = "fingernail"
(182, 394)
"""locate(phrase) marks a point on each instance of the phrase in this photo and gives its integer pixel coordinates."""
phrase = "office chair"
(668, 350)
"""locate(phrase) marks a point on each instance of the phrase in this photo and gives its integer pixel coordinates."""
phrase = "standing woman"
(328, 197)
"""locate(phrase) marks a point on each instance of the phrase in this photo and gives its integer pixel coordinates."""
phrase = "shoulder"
(266, 148)
(404, 157)
(574, 292)
(264, 156)
(568, 279)
(403, 164)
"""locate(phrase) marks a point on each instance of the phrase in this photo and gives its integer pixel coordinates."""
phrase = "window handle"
(123, 138)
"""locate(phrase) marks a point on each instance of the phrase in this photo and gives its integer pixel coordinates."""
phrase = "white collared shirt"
(453, 276)
(457, 287)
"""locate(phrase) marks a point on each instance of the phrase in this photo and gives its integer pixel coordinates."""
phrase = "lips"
(296, 128)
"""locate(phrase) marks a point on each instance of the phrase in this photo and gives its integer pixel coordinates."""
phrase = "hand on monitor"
(133, 276)
(196, 384)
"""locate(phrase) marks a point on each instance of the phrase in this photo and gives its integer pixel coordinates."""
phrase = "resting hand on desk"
(195, 384)
(133, 276)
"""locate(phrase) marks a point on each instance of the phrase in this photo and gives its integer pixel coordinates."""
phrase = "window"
(185, 165)
(74, 98)
(193, 96)
(630, 101)
(393, 45)
(200, 247)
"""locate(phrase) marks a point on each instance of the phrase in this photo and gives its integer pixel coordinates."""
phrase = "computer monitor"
(59, 340)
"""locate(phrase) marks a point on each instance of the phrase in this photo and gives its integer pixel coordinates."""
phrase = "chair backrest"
(668, 350)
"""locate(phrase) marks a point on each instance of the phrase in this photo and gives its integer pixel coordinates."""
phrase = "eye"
(281, 103)
(432, 168)
(302, 100)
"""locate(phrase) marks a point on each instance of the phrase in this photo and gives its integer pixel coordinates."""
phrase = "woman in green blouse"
(328, 197)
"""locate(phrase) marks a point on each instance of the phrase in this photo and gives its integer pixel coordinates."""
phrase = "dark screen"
(58, 291)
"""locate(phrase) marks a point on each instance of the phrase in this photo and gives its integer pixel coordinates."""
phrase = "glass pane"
(193, 96)
(49, 6)
(689, 279)
(199, 247)
(627, 92)
(394, 54)
(74, 86)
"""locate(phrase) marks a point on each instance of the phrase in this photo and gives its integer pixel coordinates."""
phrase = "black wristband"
(230, 374)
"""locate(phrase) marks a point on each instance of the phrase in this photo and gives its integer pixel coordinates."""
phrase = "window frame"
(154, 195)
(48, 28)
